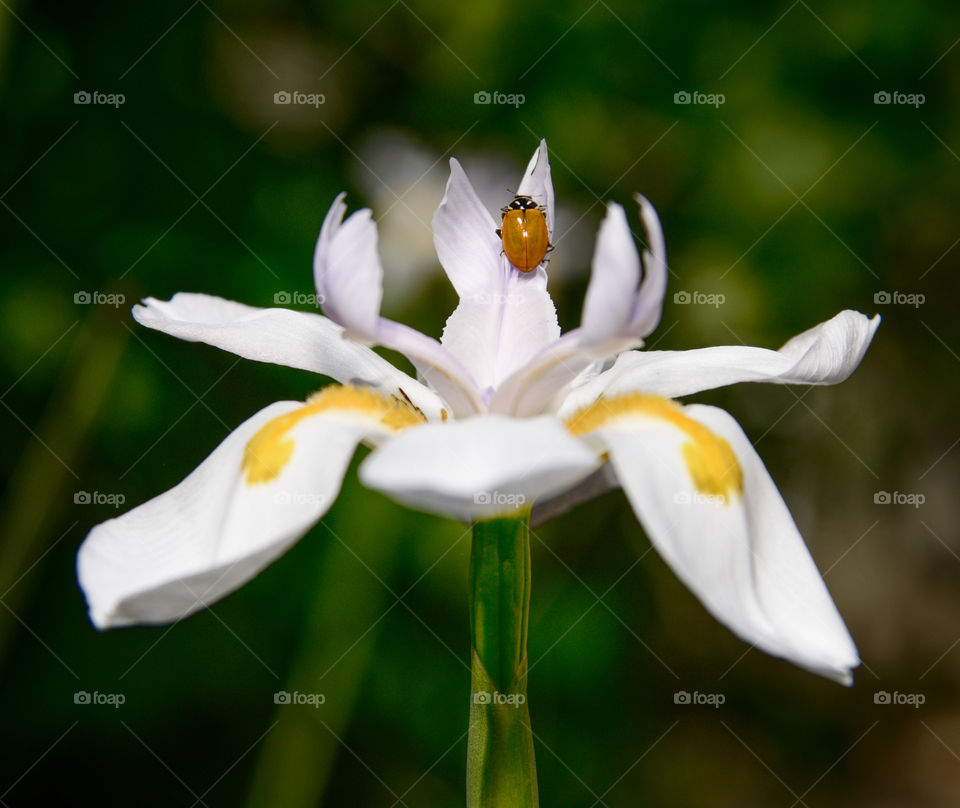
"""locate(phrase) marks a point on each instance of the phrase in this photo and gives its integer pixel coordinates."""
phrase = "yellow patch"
(271, 448)
(709, 457)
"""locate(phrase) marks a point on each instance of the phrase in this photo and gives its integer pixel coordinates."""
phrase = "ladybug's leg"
(499, 233)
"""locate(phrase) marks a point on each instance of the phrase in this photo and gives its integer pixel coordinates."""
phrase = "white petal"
(618, 311)
(826, 354)
(743, 558)
(498, 331)
(436, 365)
(614, 279)
(284, 337)
(538, 184)
(217, 529)
(479, 467)
(649, 301)
(504, 316)
(531, 389)
(465, 236)
(348, 272)
(349, 278)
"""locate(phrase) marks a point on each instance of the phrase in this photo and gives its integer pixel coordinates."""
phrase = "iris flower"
(506, 414)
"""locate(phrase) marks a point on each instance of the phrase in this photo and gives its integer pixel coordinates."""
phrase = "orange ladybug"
(524, 233)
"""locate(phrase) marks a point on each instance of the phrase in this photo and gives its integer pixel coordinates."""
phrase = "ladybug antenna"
(522, 196)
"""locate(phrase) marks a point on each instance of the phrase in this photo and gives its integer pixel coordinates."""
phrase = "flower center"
(710, 459)
(270, 449)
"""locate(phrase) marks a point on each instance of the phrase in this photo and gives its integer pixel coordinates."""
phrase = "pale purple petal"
(504, 317)
(649, 299)
(436, 365)
(348, 272)
(614, 278)
(533, 388)
(465, 236)
(495, 332)
(538, 184)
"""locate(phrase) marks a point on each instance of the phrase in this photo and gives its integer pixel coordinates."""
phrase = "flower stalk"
(501, 769)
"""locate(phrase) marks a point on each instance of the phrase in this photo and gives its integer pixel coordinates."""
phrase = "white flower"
(507, 412)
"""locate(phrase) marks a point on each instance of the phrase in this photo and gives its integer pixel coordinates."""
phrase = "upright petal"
(348, 272)
(504, 316)
(284, 337)
(619, 310)
(480, 467)
(465, 236)
(349, 279)
(614, 279)
(825, 354)
(712, 511)
(538, 184)
(436, 365)
(496, 332)
(648, 304)
(268, 482)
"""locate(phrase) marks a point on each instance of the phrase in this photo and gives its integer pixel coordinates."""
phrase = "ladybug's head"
(523, 203)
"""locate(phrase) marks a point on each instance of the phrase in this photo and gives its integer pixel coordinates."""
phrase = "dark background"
(797, 197)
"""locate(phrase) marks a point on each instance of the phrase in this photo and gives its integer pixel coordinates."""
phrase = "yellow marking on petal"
(270, 449)
(710, 459)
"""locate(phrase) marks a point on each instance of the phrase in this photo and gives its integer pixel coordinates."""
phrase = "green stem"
(501, 771)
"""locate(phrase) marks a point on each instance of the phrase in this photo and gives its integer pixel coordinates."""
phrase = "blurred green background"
(796, 197)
